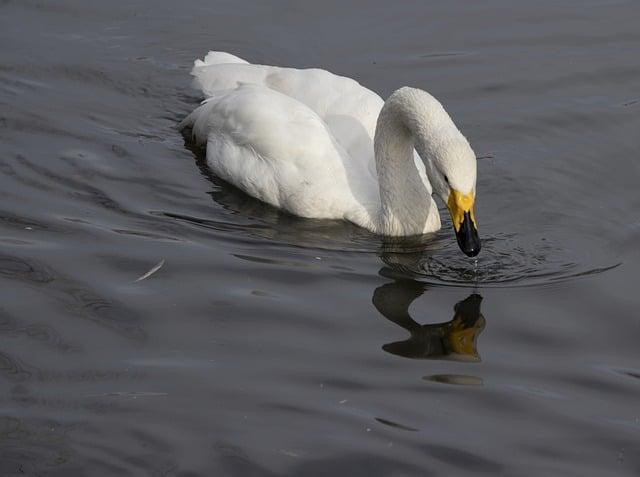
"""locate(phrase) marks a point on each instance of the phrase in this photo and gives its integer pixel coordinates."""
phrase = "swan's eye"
(446, 179)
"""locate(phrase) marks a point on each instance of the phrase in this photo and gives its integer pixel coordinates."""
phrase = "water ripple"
(505, 260)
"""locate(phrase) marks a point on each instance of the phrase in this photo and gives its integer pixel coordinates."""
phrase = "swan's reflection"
(453, 340)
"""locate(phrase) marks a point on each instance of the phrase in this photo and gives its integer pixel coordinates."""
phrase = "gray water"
(267, 345)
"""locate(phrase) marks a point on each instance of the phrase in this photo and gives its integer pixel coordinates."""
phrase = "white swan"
(320, 145)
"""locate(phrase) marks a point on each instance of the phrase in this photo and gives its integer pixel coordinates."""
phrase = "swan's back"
(349, 110)
(280, 151)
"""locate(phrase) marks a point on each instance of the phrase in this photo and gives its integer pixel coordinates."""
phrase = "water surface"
(269, 345)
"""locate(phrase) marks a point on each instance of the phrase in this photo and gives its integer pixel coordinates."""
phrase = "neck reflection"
(455, 339)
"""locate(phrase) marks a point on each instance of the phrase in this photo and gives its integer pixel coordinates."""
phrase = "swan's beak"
(461, 210)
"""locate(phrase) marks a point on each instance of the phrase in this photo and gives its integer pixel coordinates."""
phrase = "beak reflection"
(464, 222)
(452, 340)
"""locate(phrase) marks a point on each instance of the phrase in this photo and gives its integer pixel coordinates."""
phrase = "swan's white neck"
(406, 204)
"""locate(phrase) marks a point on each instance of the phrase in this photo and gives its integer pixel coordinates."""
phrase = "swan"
(319, 145)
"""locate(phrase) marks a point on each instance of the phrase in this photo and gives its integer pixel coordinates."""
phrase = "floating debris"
(155, 268)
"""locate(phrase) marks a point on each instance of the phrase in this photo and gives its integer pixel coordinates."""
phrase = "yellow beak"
(464, 222)
(458, 204)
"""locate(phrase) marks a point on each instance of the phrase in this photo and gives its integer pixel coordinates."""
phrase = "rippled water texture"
(155, 321)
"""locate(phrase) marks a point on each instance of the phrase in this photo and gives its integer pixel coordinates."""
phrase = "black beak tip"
(468, 238)
(472, 252)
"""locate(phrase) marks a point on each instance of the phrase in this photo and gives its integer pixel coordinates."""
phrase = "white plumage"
(303, 141)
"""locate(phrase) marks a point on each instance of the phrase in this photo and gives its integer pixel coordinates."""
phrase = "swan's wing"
(349, 109)
(280, 151)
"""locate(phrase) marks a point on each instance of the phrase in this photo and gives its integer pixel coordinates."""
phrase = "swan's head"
(451, 166)
(449, 161)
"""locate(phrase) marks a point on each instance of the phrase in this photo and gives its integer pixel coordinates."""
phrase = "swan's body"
(320, 145)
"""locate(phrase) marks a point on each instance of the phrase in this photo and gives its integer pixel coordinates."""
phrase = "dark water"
(269, 345)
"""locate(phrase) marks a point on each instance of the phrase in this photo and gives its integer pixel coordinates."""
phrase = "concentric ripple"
(505, 260)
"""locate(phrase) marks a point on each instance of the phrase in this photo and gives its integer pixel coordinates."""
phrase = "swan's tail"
(217, 58)
(209, 79)
(213, 83)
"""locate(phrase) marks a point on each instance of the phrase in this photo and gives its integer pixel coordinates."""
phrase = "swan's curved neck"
(406, 204)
